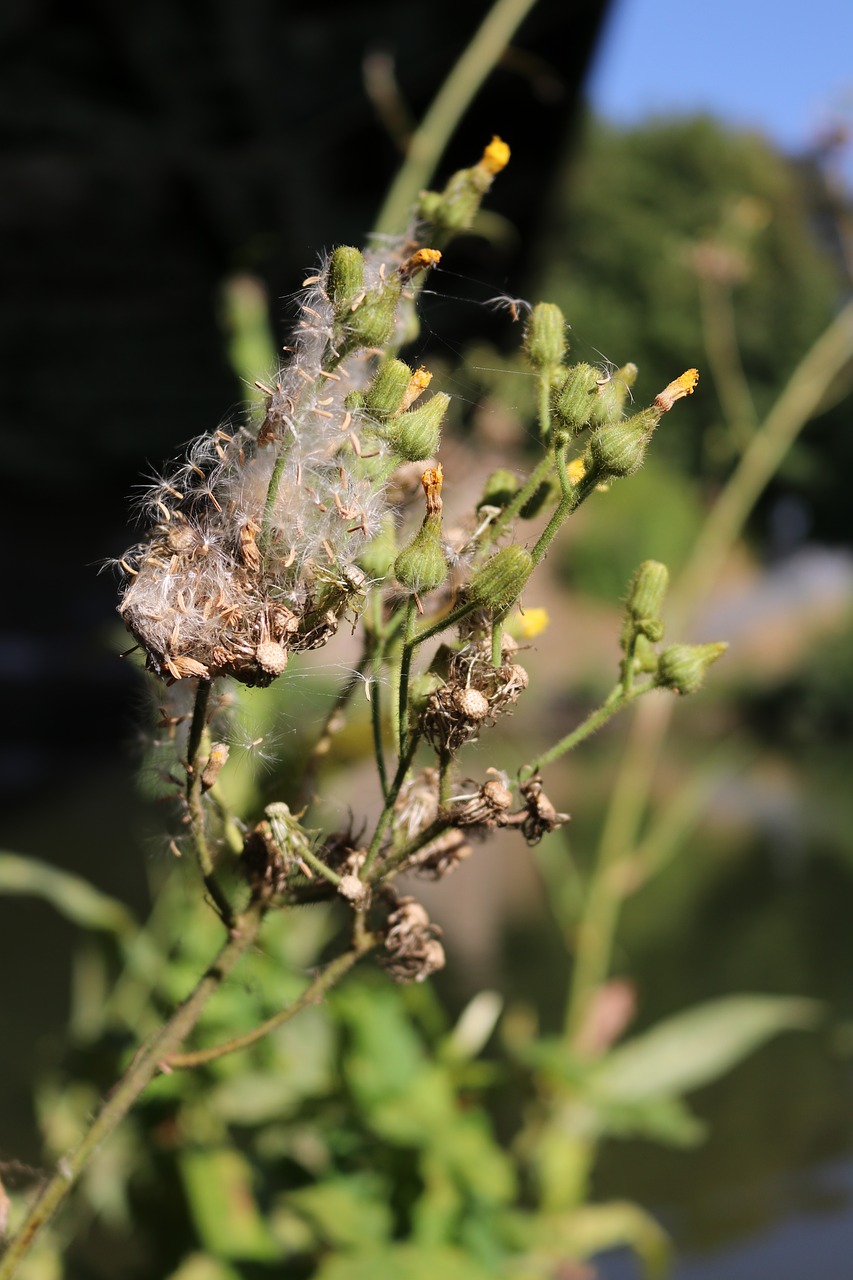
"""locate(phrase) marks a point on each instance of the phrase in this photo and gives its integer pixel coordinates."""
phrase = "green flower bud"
(372, 322)
(612, 394)
(454, 208)
(500, 489)
(545, 337)
(421, 566)
(498, 583)
(378, 556)
(574, 398)
(345, 279)
(682, 667)
(415, 435)
(645, 600)
(645, 655)
(619, 450)
(387, 389)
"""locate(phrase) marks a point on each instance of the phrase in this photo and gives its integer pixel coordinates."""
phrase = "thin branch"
(312, 994)
(141, 1071)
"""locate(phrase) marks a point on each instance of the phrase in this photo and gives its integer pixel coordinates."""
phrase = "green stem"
(429, 140)
(721, 347)
(307, 855)
(616, 700)
(405, 669)
(312, 994)
(388, 810)
(378, 654)
(497, 641)
(800, 400)
(571, 499)
(195, 803)
(145, 1065)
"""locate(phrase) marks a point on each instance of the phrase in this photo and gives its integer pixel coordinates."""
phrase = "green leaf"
(549, 1239)
(198, 1266)
(218, 1185)
(404, 1262)
(695, 1047)
(72, 896)
(666, 1120)
(404, 1098)
(346, 1211)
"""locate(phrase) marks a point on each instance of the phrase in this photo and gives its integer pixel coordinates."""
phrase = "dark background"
(150, 151)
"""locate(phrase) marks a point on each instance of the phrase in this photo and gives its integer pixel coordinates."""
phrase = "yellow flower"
(676, 390)
(418, 384)
(531, 623)
(421, 260)
(496, 156)
(575, 471)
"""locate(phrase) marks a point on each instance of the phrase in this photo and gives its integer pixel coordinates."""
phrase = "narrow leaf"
(72, 896)
(695, 1047)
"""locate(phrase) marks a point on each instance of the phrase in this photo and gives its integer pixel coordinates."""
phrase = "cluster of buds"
(679, 667)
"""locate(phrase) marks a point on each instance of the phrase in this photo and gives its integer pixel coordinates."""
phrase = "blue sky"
(783, 68)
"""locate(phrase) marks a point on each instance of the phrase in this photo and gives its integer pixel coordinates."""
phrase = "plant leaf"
(218, 1185)
(695, 1047)
(72, 896)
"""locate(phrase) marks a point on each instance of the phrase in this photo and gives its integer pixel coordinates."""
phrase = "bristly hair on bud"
(422, 566)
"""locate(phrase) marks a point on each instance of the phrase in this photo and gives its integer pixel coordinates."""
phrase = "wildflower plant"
(263, 538)
(258, 545)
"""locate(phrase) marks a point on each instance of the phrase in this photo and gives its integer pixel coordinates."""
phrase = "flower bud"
(415, 435)
(645, 600)
(499, 490)
(371, 323)
(612, 394)
(421, 566)
(499, 582)
(545, 337)
(454, 208)
(575, 398)
(345, 279)
(682, 667)
(619, 450)
(387, 389)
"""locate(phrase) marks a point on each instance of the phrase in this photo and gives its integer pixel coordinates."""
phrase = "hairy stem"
(195, 804)
(616, 700)
(405, 670)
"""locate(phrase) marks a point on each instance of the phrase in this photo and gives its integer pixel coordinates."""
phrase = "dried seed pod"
(541, 816)
(412, 949)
